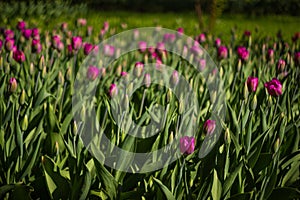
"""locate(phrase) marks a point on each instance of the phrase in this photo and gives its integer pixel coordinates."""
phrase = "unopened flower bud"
(22, 97)
(254, 103)
(24, 123)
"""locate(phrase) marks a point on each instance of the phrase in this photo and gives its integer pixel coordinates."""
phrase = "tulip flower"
(13, 85)
(113, 90)
(180, 31)
(202, 38)
(108, 50)
(218, 42)
(187, 145)
(142, 46)
(209, 126)
(138, 68)
(274, 87)
(252, 83)
(243, 53)
(147, 80)
(36, 46)
(175, 78)
(281, 64)
(92, 72)
(222, 52)
(21, 25)
(76, 43)
(9, 34)
(87, 48)
(297, 58)
(35, 33)
(27, 33)
(9, 44)
(19, 56)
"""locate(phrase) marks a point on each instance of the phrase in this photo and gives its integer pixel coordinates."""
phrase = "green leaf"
(168, 194)
(242, 196)
(5, 189)
(108, 181)
(216, 191)
(263, 161)
(229, 181)
(21, 192)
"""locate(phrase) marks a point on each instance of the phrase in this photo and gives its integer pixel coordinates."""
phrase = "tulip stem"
(142, 103)
(276, 105)
(240, 113)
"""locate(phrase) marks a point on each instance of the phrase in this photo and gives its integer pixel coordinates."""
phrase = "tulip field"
(106, 111)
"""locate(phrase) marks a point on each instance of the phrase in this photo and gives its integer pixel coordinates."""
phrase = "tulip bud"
(69, 74)
(187, 145)
(169, 95)
(181, 106)
(213, 97)
(138, 69)
(254, 103)
(44, 72)
(82, 112)
(13, 85)
(74, 128)
(227, 136)
(41, 62)
(113, 90)
(147, 80)
(31, 69)
(24, 123)
(171, 137)
(245, 91)
(22, 97)
(209, 127)
(175, 78)
(276, 144)
(61, 78)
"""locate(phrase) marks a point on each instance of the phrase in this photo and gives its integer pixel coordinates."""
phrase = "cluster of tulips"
(39, 138)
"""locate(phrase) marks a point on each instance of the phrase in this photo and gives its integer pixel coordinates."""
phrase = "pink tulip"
(243, 53)
(108, 50)
(209, 126)
(218, 42)
(175, 78)
(142, 46)
(252, 83)
(274, 87)
(147, 80)
(87, 48)
(9, 44)
(13, 85)
(187, 145)
(222, 52)
(297, 58)
(9, 34)
(27, 33)
(21, 25)
(19, 56)
(138, 68)
(180, 31)
(92, 72)
(36, 46)
(113, 90)
(76, 42)
(105, 26)
(202, 38)
(281, 64)
(35, 33)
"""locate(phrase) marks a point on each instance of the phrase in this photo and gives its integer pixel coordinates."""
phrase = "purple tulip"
(35, 33)
(196, 50)
(202, 38)
(113, 90)
(218, 42)
(21, 25)
(105, 26)
(252, 83)
(92, 72)
(138, 68)
(76, 43)
(209, 126)
(142, 46)
(147, 80)
(243, 53)
(297, 58)
(222, 52)
(180, 31)
(281, 64)
(108, 50)
(270, 54)
(26, 33)
(55, 41)
(9, 34)
(81, 22)
(36, 46)
(175, 78)
(274, 87)
(19, 56)
(70, 50)
(9, 44)
(187, 145)
(247, 33)
(13, 85)
(87, 48)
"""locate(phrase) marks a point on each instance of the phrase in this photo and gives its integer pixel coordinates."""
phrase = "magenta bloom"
(274, 87)
(180, 31)
(108, 50)
(209, 126)
(218, 42)
(169, 37)
(247, 33)
(202, 64)
(36, 46)
(92, 72)
(81, 22)
(35, 33)
(87, 48)
(9, 44)
(123, 74)
(196, 50)
(160, 46)
(138, 68)
(281, 64)
(270, 54)
(202, 38)
(147, 80)
(21, 25)
(9, 34)
(297, 58)
(113, 90)
(76, 43)
(70, 49)
(252, 83)
(222, 52)
(19, 56)
(64, 26)
(26, 33)
(13, 85)
(142, 46)
(55, 41)
(105, 26)
(187, 145)
(243, 53)
(175, 78)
